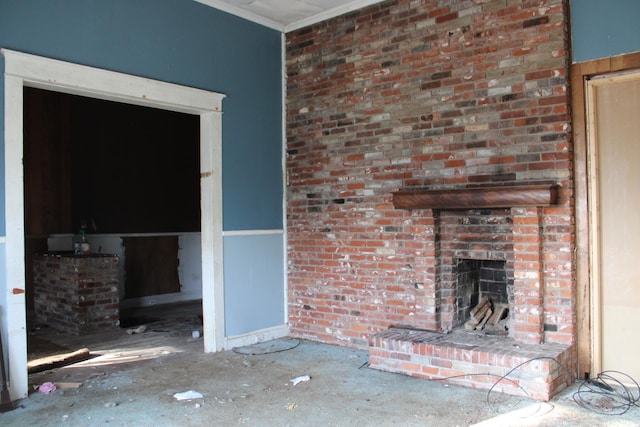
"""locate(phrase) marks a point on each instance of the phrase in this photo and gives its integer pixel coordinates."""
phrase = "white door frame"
(28, 70)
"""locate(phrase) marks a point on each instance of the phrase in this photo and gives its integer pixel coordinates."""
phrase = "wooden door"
(151, 266)
(614, 197)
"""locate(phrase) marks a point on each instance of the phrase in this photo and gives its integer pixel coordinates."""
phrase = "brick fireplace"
(445, 104)
(475, 235)
(483, 224)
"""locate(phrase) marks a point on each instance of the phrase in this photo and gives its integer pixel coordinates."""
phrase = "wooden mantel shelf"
(477, 198)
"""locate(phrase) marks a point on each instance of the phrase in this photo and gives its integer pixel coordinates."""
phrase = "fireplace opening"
(483, 295)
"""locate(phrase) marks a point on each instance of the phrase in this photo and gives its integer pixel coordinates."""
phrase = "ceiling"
(288, 15)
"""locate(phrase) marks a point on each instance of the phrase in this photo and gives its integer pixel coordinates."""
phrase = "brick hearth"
(472, 360)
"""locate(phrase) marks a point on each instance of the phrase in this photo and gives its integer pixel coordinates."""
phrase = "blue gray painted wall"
(187, 43)
(604, 28)
(183, 42)
(248, 261)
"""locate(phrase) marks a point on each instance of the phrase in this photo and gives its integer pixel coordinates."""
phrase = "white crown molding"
(330, 13)
(301, 23)
(242, 13)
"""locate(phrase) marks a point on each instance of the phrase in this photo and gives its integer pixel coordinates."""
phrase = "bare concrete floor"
(133, 379)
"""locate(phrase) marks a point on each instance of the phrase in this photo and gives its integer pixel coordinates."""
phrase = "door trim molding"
(22, 70)
(580, 73)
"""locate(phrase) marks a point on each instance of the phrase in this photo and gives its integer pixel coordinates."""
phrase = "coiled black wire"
(609, 393)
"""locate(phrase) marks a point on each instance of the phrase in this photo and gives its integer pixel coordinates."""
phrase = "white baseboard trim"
(255, 337)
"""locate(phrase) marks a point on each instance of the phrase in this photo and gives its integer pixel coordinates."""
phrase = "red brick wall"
(76, 294)
(432, 94)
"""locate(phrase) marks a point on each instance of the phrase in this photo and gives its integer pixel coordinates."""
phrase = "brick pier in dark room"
(77, 294)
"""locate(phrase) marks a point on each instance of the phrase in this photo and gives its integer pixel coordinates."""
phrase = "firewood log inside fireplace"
(485, 312)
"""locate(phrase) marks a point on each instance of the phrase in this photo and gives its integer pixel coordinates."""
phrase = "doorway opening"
(613, 106)
(127, 179)
(23, 70)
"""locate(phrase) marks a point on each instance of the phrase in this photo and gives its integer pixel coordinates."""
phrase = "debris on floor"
(188, 395)
(241, 389)
(62, 385)
(140, 329)
(47, 388)
(300, 379)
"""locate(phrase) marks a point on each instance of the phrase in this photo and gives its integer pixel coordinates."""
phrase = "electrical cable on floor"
(485, 374)
(505, 376)
(605, 394)
(246, 351)
(608, 395)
